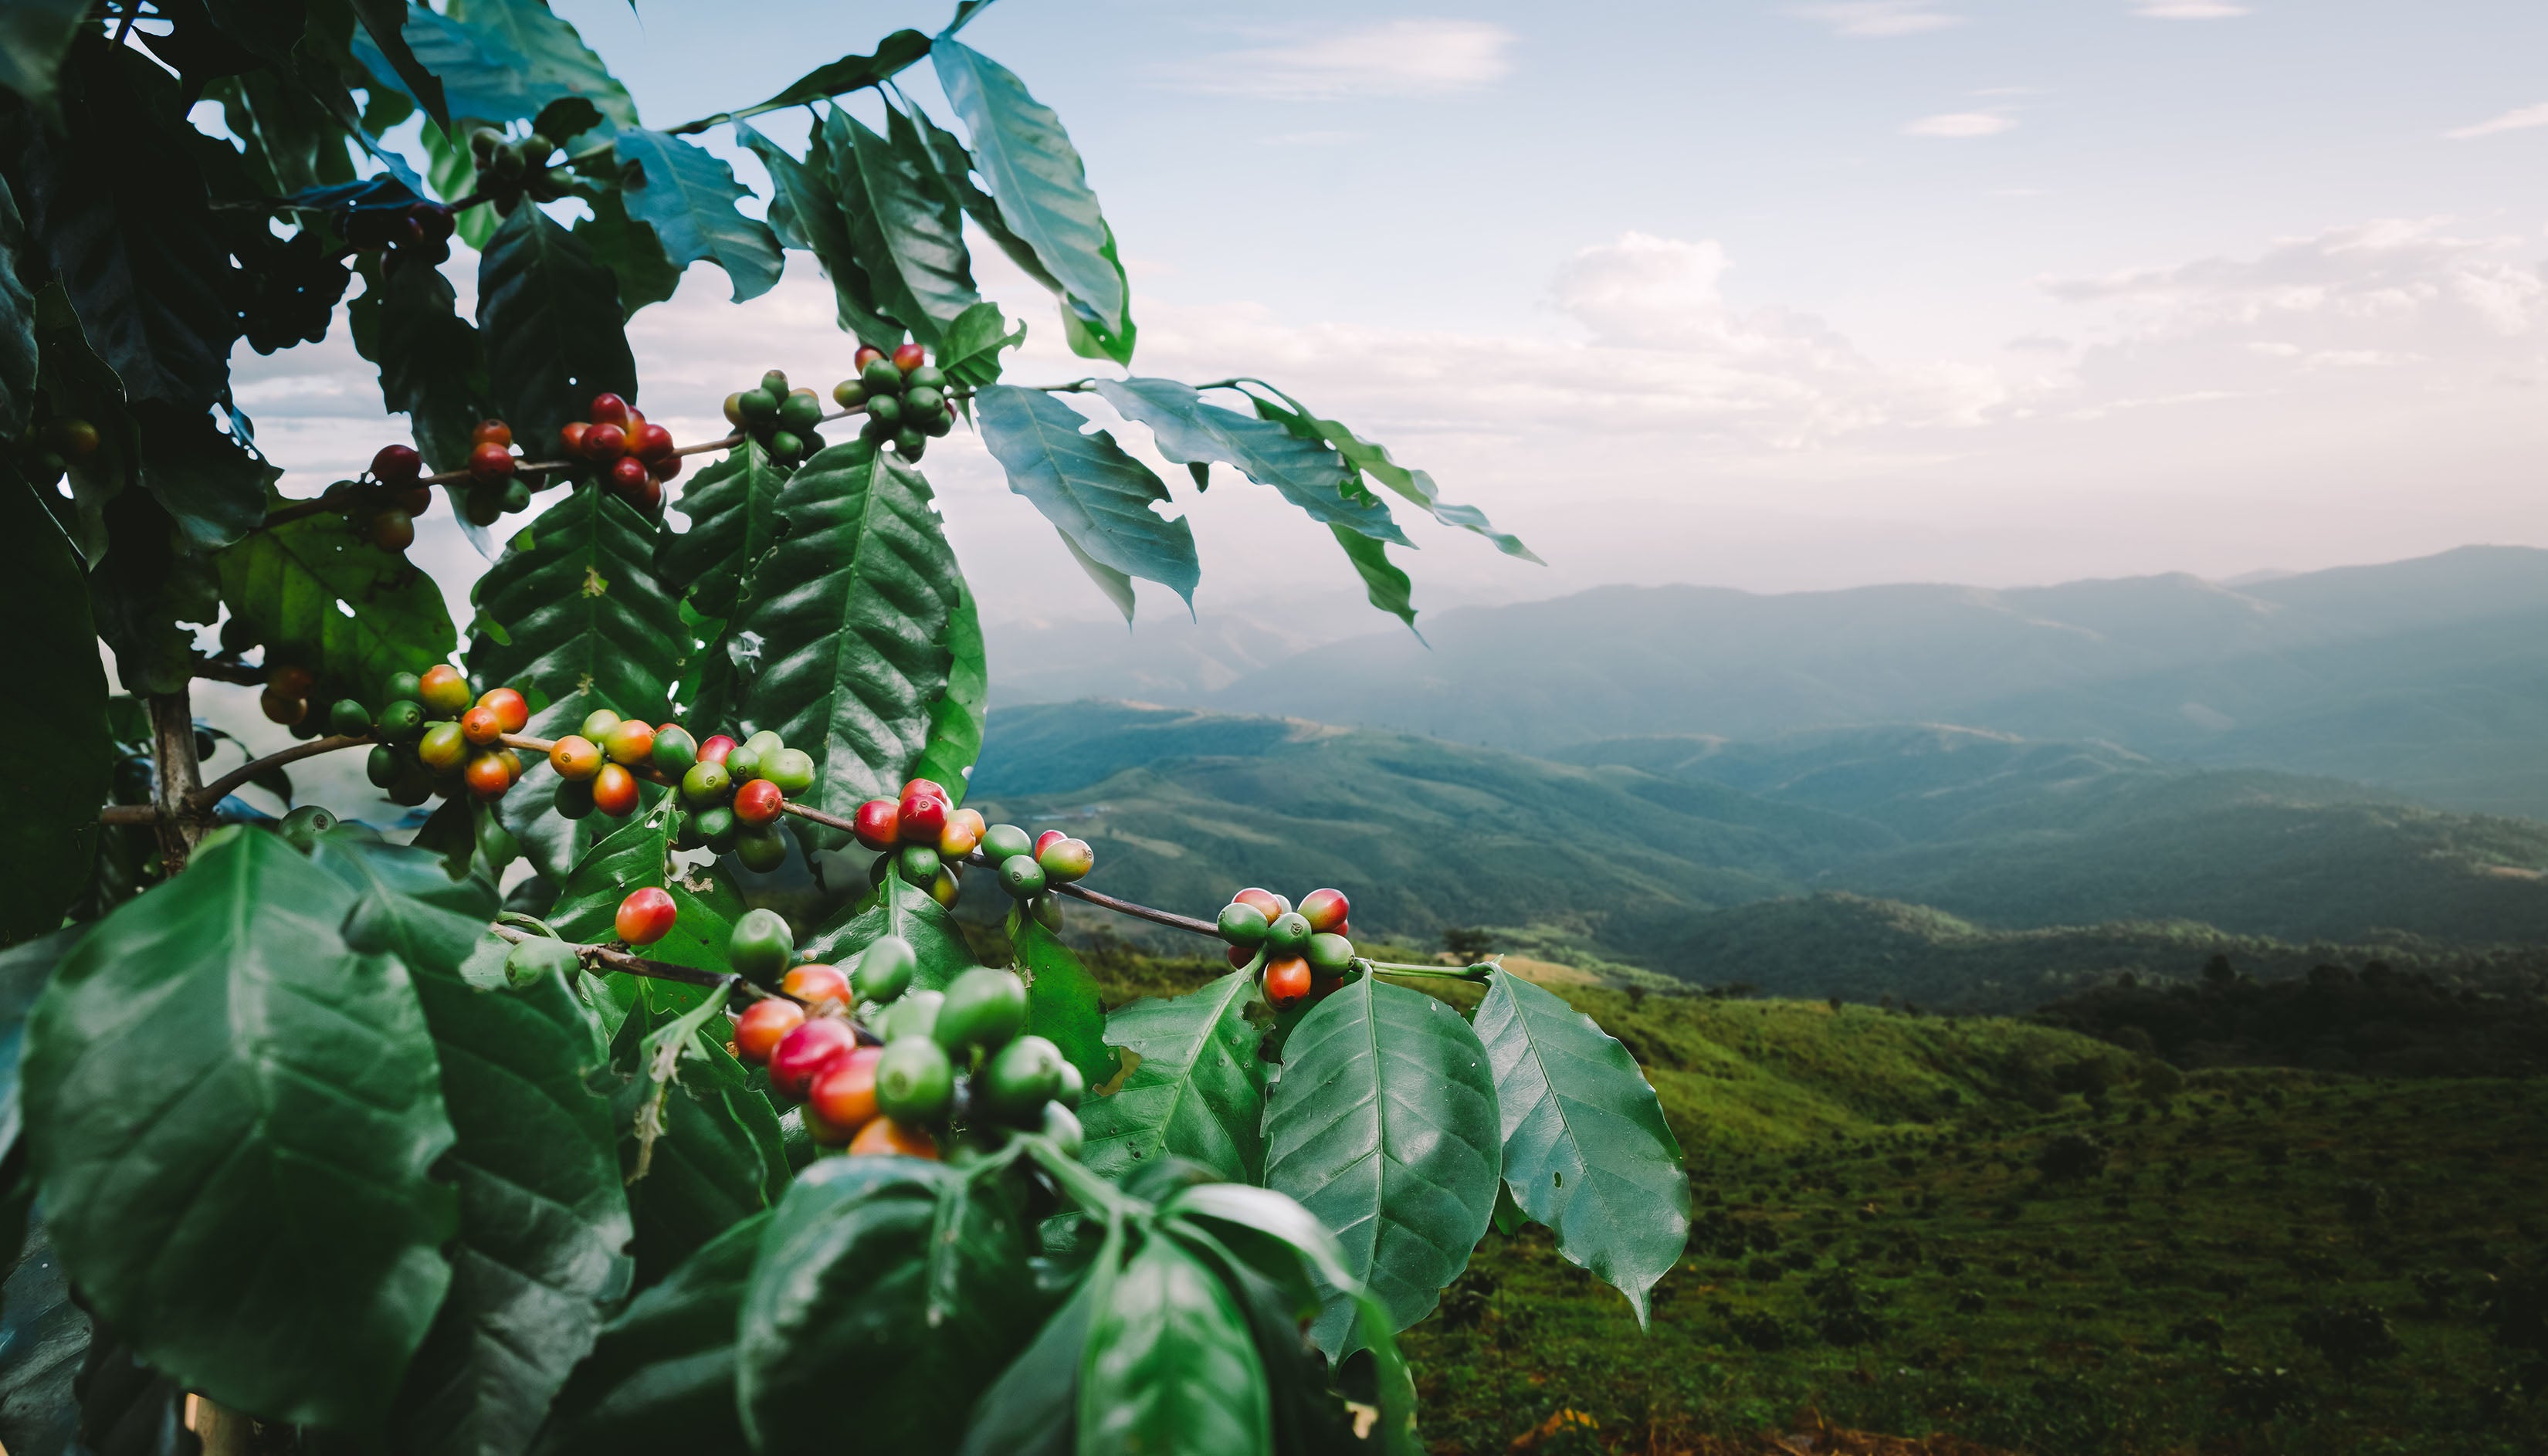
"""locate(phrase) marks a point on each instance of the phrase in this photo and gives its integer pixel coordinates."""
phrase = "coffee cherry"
(484, 505)
(571, 434)
(793, 769)
(926, 377)
(885, 414)
(867, 355)
(1324, 909)
(757, 406)
(910, 443)
(444, 691)
(615, 792)
(761, 1026)
(631, 743)
(908, 357)
(800, 411)
(917, 864)
(1241, 956)
(883, 971)
(575, 758)
(1067, 860)
(941, 423)
(392, 531)
(962, 831)
(1022, 876)
(885, 1136)
(348, 719)
(627, 475)
(1329, 953)
(1242, 923)
(762, 848)
(984, 1008)
(537, 959)
(1046, 909)
(492, 432)
(383, 766)
(609, 409)
(882, 377)
(704, 784)
(714, 749)
(654, 442)
(645, 916)
(920, 402)
(394, 465)
(844, 1095)
(758, 802)
(921, 817)
(1286, 932)
(759, 946)
(598, 724)
(1047, 839)
(482, 726)
(401, 721)
(491, 463)
(715, 827)
(815, 984)
(1267, 903)
(604, 443)
(404, 686)
(512, 713)
(878, 824)
(849, 393)
(443, 747)
(1286, 981)
(488, 777)
(416, 500)
(1017, 1080)
(946, 889)
(914, 1080)
(914, 1015)
(806, 1052)
(517, 498)
(1004, 841)
(674, 750)
(787, 447)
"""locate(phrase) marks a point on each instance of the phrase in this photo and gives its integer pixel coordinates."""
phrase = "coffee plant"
(313, 1139)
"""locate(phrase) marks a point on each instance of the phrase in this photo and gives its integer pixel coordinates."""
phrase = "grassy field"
(1980, 1230)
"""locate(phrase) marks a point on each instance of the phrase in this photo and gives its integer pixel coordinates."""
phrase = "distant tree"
(1467, 941)
(2218, 972)
(2072, 1158)
(2352, 1336)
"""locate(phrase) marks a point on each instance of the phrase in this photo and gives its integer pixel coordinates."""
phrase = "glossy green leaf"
(49, 835)
(24, 971)
(555, 54)
(970, 354)
(1171, 1364)
(35, 35)
(477, 73)
(1062, 998)
(1088, 335)
(17, 321)
(321, 592)
(957, 718)
(1031, 1410)
(688, 197)
(1097, 497)
(452, 170)
(1115, 585)
(1586, 1147)
(851, 608)
(127, 1409)
(431, 367)
(911, 914)
(549, 320)
(1384, 585)
(1036, 176)
(893, 54)
(631, 250)
(1192, 431)
(1273, 1284)
(148, 583)
(733, 506)
(1385, 1126)
(660, 1381)
(232, 1115)
(844, 1284)
(1373, 460)
(1198, 1089)
(905, 228)
(717, 1157)
(805, 213)
(385, 30)
(43, 1342)
(212, 482)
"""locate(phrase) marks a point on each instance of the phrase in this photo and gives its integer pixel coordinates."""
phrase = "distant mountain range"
(2427, 678)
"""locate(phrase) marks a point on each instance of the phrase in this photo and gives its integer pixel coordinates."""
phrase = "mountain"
(2425, 677)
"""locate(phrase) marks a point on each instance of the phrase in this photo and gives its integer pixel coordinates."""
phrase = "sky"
(1774, 296)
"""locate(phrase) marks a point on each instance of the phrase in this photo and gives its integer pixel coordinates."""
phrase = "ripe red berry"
(806, 1052)
(654, 442)
(816, 983)
(1287, 979)
(481, 726)
(645, 917)
(878, 824)
(628, 473)
(416, 500)
(647, 498)
(512, 714)
(909, 356)
(913, 787)
(758, 802)
(884, 1136)
(575, 758)
(1266, 901)
(665, 468)
(1240, 956)
(570, 435)
(715, 750)
(922, 818)
(761, 1026)
(845, 1094)
(491, 463)
(1054, 836)
(489, 777)
(609, 409)
(492, 432)
(615, 792)
(604, 443)
(1326, 910)
(631, 743)
(865, 355)
(397, 464)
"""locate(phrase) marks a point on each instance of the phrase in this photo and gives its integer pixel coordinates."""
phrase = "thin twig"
(663, 971)
(204, 798)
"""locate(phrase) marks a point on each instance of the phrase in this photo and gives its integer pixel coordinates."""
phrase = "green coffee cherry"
(1286, 932)
(760, 945)
(914, 1080)
(304, 825)
(406, 686)
(881, 377)
(1017, 1080)
(1243, 925)
(800, 412)
(1022, 876)
(349, 719)
(1329, 952)
(383, 766)
(762, 848)
(715, 825)
(757, 406)
(984, 1008)
(915, 1015)
(926, 377)
(707, 783)
(1003, 842)
(1046, 909)
(791, 769)
(1061, 1124)
(536, 960)
(402, 721)
(919, 866)
(884, 970)
(675, 751)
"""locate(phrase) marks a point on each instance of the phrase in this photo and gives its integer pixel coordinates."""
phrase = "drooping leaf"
(893, 54)
(970, 354)
(43, 1342)
(1198, 1090)
(956, 719)
(1373, 460)
(852, 608)
(733, 506)
(1171, 1364)
(1384, 585)
(1029, 1410)
(385, 28)
(905, 228)
(549, 320)
(908, 1272)
(232, 1115)
(1586, 1147)
(1092, 337)
(1036, 176)
(1385, 1126)
(288, 142)
(1095, 495)
(716, 1158)
(49, 835)
(34, 38)
(805, 213)
(1192, 431)
(479, 75)
(431, 367)
(909, 913)
(554, 55)
(321, 594)
(1062, 998)
(630, 249)
(688, 197)
(17, 321)
(660, 1381)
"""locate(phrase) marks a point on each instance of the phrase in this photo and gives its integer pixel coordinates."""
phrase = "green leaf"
(1117, 586)
(49, 835)
(639, 856)
(733, 506)
(212, 482)
(910, 914)
(1586, 1147)
(846, 1283)
(35, 35)
(957, 718)
(688, 197)
(905, 228)
(719, 1158)
(1275, 1287)
(851, 610)
(549, 320)
(75, 382)
(43, 1342)
(805, 213)
(322, 594)
(17, 321)
(1385, 1126)
(1384, 585)
(1198, 1089)
(1035, 175)
(661, 1379)
(1311, 476)
(1095, 495)
(146, 583)
(1373, 460)
(477, 74)
(632, 252)
(893, 53)
(453, 170)
(1171, 1365)
(431, 367)
(24, 971)
(232, 1116)
(1029, 1410)
(970, 354)
(556, 56)
(1062, 998)
(1091, 337)
(385, 29)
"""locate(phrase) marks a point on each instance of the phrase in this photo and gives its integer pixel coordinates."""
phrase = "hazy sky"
(1761, 295)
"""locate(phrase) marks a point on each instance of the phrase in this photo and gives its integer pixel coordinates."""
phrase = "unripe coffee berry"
(348, 719)
(382, 766)
(442, 748)
(1066, 859)
(704, 784)
(762, 848)
(444, 691)
(791, 769)
(1242, 923)
(393, 530)
(963, 831)
(1022, 876)
(645, 916)
(631, 743)
(1004, 841)
(512, 712)
(575, 758)
(883, 971)
(919, 866)
(406, 686)
(599, 723)
(759, 946)
(1286, 932)
(1324, 909)
(674, 750)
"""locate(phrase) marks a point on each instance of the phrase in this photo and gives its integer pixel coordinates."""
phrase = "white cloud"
(2518, 119)
(1398, 58)
(1879, 19)
(1960, 125)
(2187, 10)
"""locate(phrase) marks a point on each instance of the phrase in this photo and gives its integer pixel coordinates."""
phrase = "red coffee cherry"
(631, 743)
(397, 464)
(1269, 903)
(865, 355)
(806, 1052)
(481, 726)
(609, 409)
(1054, 836)
(604, 443)
(487, 776)
(1287, 980)
(628, 473)
(909, 356)
(814, 984)
(654, 442)
(715, 750)
(758, 802)
(845, 1094)
(393, 530)
(761, 1023)
(615, 792)
(878, 824)
(570, 435)
(492, 432)
(645, 917)
(512, 713)
(491, 463)
(1326, 910)
(922, 817)
(575, 758)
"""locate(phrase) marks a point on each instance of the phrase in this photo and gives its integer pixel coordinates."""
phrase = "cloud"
(1878, 19)
(1960, 125)
(1398, 58)
(2187, 10)
(2521, 119)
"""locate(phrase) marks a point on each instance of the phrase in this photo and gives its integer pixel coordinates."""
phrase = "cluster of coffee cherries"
(49, 449)
(385, 506)
(734, 792)
(437, 736)
(286, 701)
(1304, 951)
(781, 418)
(421, 230)
(508, 172)
(923, 837)
(883, 1068)
(904, 396)
(634, 457)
